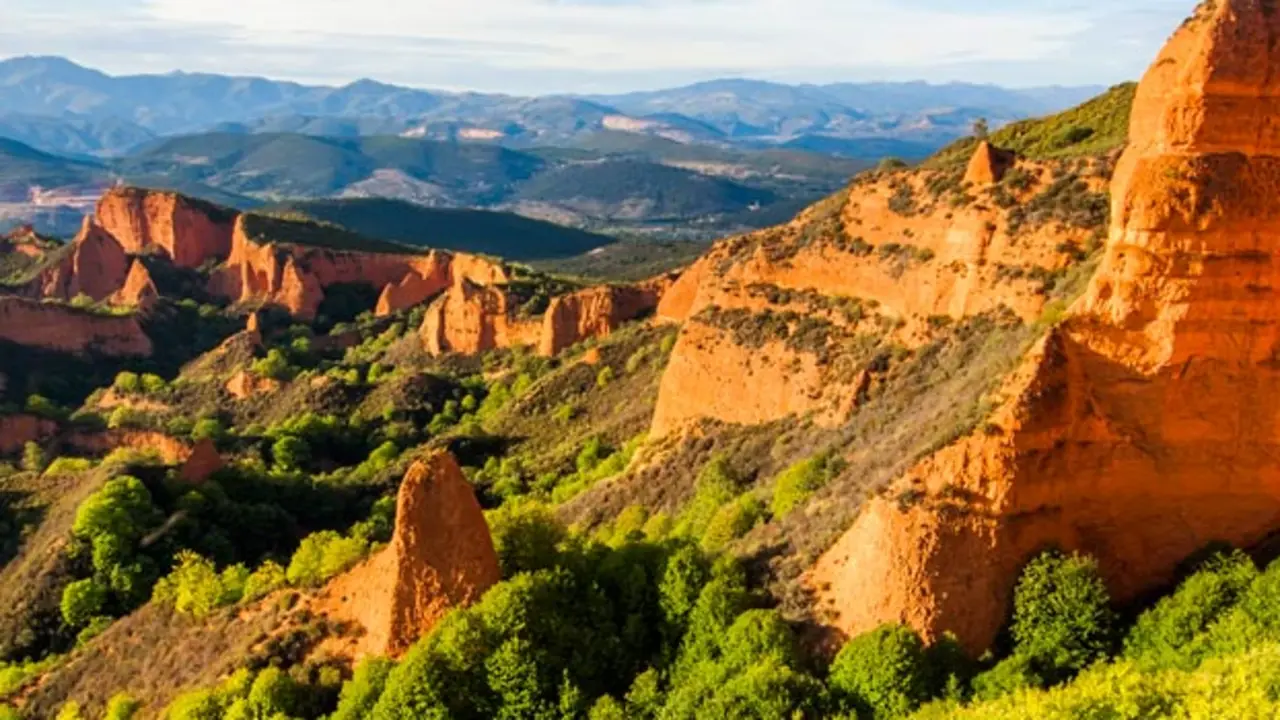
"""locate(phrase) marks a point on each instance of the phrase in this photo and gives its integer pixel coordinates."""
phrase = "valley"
(682, 417)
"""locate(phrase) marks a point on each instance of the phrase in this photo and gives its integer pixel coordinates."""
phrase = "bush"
(196, 588)
(33, 457)
(732, 521)
(1162, 636)
(42, 406)
(275, 366)
(361, 692)
(122, 707)
(604, 377)
(68, 465)
(209, 429)
(323, 555)
(1062, 620)
(716, 485)
(268, 578)
(882, 673)
(797, 483)
(290, 453)
(82, 600)
(153, 384)
(127, 383)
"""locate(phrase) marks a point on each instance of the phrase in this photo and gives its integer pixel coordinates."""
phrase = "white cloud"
(541, 46)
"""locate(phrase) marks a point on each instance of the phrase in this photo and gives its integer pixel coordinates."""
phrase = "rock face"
(1144, 427)
(771, 319)
(186, 231)
(18, 430)
(988, 165)
(97, 266)
(440, 557)
(138, 290)
(271, 271)
(57, 327)
(471, 318)
(595, 312)
(203, 461)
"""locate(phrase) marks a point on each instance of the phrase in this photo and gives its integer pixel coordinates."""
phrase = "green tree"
(360, 694)
(1062, 618)
(290, 452)
(82, 600)
(122, 707)
(153, 384)
(33, 457)
(209, 428)
(882, 673)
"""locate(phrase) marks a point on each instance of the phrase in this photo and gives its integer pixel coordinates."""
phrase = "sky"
(583, 46)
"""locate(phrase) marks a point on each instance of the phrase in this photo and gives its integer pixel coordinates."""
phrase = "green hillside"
(266, 229)
(1093, 128)
(477, 231)
(626, 188)
(22, 166)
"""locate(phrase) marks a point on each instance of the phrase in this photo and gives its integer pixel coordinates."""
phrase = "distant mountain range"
(54, 105)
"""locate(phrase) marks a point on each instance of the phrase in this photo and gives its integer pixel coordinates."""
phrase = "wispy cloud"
(579, 45)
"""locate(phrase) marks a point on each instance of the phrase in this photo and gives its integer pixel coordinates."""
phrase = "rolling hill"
(475, 231)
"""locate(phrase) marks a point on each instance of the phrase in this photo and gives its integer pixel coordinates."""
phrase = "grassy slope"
(490, 233)
(1096, 127)
(21, 163)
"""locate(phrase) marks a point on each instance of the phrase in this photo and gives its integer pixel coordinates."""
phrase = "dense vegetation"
(477, 231)
(1096, 127)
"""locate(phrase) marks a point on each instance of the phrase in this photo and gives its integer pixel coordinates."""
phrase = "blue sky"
(543, 46)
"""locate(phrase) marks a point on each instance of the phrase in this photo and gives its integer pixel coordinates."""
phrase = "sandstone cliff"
(1143, 428)
(186, 231)
(58, 327)
(471, 318)
(896, 255)
(440, 557)
(593, 313)
(18, 430)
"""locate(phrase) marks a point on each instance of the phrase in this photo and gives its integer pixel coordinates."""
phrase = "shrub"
(82, 600)
(268, 578)
(209, 428)
(196, 588)
(42, 406)
(68, 465)
(882, 673)
(800, 481)
(361, 692)
(1010, 675)
(127, 382)
(275, 366)
(122, 707)
(716, 485)
(153, 384)
(33, 457)
(732, 521)
(604, 377)
(526, 537)
(1162, 635)
(323, 555)
(290, 452)
(1062, 620)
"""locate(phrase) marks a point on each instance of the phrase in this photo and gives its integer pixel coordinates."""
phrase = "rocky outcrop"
(203, 462)
(1144, 427)
(471, 318)
(170, 450)
(592, 313)
(187, 232)
(988, 165)
(18, 430)
(889, 259)
(245, 385)
(59, 327)
(428, 276)
(97, 266)
(267, 270)
(138, 290)
(440, 557)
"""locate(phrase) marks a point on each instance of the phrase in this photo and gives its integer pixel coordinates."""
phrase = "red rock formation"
(592, 313)
(138, 289)
(440, 557)
(58, 327)
(988, 165)
(97, 266)
(203, 461)
(18, 430)
(169, 449)
(471, 319)
(186, 231)
(951, 257)
(244, 385)
(1145, 426)
(272, 271)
